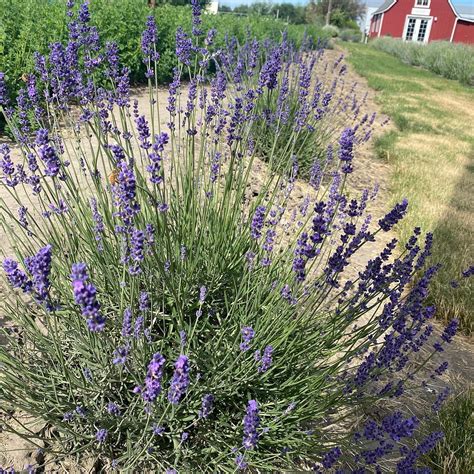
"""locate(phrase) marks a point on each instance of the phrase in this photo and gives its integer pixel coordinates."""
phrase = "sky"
(466, 6)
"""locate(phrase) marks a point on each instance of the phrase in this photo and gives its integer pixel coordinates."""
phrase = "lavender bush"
(159, 316)
(301, 100)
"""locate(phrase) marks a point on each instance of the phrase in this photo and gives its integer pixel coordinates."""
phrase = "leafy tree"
(352, 9)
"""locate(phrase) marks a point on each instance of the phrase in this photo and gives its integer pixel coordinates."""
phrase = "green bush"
(453, 61)
(351, 35)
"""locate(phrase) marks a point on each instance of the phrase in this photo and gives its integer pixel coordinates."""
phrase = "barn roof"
(384, 7)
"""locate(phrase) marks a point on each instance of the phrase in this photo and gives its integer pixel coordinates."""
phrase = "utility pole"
(328, 14)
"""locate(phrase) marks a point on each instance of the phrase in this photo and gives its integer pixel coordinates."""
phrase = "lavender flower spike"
(395, 215)
(153, 378)
(180, 381)
(85, 297)
(247, 335)
(251, 423)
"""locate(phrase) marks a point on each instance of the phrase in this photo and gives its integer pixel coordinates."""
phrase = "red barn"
(421, 20)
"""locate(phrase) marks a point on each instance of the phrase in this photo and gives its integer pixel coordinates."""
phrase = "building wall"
(443, 20)
(464, 32)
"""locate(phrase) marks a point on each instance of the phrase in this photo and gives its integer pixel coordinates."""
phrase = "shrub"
(297, 121)
(161, 320)
(350, 35)
(450, 60)
(331, 30)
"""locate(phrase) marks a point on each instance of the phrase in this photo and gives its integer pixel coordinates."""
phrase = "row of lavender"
(158, 319)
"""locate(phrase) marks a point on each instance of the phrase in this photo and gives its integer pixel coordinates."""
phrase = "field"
(208, 261)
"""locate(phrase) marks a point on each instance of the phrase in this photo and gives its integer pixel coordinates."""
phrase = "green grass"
(431, 150)
(455, 453)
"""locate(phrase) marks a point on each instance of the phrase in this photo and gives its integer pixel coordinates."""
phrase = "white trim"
(420, 11)
(454, 29)
(380, 27)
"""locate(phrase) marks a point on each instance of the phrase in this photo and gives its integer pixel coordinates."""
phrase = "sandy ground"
(368, 171)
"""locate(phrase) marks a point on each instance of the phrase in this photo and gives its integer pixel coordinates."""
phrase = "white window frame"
(415, 32)
(422, 6)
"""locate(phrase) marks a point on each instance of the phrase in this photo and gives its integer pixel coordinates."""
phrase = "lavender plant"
(302, 101)
(160, 317)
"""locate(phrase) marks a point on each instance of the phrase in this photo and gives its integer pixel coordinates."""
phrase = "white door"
(416, 29)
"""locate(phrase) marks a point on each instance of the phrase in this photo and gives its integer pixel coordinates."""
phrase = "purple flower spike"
(85, 296)
(247, 335)
(395, 215)
(16, 277)
(257, 222)
(251, 424)
(149, 39)
(153, 378)
(266, 360)
(101, 435)
(207, 406)
(39, 267)
(184, 47)
(346, 150)
(331, 457)
(180, 381)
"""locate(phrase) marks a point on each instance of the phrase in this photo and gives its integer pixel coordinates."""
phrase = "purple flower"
(251, 423)
(184, 46)
(48, 154)
(85, 296)
(16, 277)
(144, 302)
(138, 329)
(154, 168)
(257, 222)
(113, 409)
(39, 267)
(207, 405)
(247, 335)
(180, 381)
(240, 462)
(450, 330)
(149, 39)
(101, 435)
(202, 294)
(99, 223)
(125, 194)
(127, 323)
(395, 215)
(346, 150)
(266, 360)
(440, 399)
(331, 457)
(215, 166)
(137, 251)
(121, 354)
(196, 9)
(153, 378)
(157, 429)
